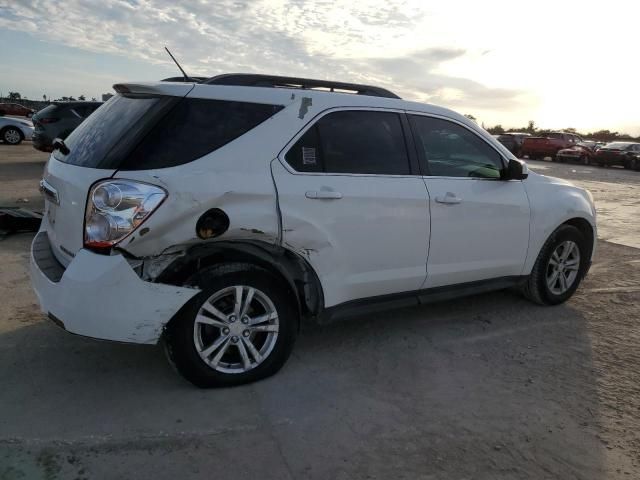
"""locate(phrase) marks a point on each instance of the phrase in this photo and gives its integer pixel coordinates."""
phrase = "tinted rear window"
(92, 141)
(47, 111)
(194, 128)
(618, 145)
(139, 133)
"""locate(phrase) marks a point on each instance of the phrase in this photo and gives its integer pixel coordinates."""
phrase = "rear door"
(352, 202)
(479, 223)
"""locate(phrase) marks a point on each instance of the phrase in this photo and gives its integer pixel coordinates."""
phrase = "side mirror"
(516, 170)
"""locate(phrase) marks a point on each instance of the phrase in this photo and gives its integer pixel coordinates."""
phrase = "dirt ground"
(489, 387)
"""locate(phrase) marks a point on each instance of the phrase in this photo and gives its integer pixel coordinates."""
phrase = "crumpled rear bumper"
(100, 296)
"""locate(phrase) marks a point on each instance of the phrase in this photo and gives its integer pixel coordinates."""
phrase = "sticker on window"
(308, 156)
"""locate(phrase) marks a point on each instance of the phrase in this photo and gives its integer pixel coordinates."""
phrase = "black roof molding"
(273, 81)
(182, 79)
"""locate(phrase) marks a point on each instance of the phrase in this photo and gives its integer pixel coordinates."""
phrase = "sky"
(560, 63)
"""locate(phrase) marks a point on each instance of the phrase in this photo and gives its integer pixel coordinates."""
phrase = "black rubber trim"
(44, 258)
(417, 297)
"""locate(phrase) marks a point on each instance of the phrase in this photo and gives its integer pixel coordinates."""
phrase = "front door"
(479, 222)
(353, 206)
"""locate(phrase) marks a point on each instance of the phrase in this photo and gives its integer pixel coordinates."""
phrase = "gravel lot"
(491, 387)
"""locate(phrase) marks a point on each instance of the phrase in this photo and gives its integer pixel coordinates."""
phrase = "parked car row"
(57, 120)
(569, 147)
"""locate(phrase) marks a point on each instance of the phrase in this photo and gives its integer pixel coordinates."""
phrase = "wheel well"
(585, 228)
(293, 270)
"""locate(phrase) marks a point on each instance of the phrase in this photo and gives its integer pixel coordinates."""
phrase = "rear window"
(47, 111)
(618, 145)
(91, 143)
(194, 128)
(139, 133)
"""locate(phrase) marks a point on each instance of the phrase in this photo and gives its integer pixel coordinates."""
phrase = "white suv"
(217, 215)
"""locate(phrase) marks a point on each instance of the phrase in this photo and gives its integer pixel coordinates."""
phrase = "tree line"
(16, 96)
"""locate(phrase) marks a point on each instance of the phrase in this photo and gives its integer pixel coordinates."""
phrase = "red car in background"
(15, 109)
(548, 145)
(582, 152)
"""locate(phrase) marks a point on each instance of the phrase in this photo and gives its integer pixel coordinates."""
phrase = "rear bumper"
(100, 296)
(41, 142)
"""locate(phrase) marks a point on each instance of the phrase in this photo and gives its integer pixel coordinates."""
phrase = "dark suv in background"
(58, 120)
(513, 141)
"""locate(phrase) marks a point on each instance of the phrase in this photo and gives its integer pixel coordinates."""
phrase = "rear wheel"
(559, 268)
(11, 135)
(240, 328)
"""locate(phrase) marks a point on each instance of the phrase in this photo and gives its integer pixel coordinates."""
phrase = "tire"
(635, 164)
(2, 113)
(537, 287)
(11, 135)
(185, 337)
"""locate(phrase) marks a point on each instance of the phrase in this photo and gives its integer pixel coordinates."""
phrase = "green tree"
(14, 96)
(82, 98)
(497, 130)
(531, 127)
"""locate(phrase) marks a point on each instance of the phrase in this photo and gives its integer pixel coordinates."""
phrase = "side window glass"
(453, 151)
(304, 156)
(357, 142)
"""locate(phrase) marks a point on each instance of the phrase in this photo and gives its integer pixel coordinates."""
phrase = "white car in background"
(217, 215)
(14, 130)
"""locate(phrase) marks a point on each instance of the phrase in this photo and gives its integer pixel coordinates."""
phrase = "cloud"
(338, 39)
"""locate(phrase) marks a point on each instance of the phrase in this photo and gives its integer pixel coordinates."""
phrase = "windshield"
(90, 144)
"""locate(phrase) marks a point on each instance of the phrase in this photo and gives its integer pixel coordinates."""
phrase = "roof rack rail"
(273, 81)
(182, 79)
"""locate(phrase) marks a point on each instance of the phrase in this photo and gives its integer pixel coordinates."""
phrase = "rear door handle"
(323, 195)
(449, 199)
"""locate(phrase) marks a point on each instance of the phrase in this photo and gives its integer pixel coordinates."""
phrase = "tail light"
(115, 208)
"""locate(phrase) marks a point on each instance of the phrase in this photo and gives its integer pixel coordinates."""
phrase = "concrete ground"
(489, 387)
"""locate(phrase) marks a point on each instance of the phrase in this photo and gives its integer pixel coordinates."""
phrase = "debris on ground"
(16, 219)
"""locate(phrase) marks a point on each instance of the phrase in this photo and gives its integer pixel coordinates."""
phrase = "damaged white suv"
(217, 215)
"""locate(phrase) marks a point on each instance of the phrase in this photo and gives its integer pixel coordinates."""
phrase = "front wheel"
(12, 136)
(240, 328)
(559, 268)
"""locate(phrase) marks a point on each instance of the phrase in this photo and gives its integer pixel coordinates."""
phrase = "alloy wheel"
(236, 329)
(563, 267)
(12, 136)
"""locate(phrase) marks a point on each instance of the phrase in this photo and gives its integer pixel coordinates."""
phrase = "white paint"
(372, 240)
(485, 235)
(100, 296)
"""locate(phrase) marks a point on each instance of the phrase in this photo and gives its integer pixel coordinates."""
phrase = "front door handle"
(449, 198)
(323, 195)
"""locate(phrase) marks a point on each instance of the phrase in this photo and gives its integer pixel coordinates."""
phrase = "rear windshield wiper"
(58, 144)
